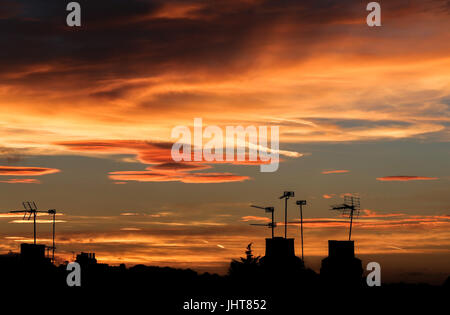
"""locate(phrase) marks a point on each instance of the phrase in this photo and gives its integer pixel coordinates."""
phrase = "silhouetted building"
(32, 253)
(280, 259)
(279, 248)
(9, 259)
(341, 267)
(341, 249)
(86, 259)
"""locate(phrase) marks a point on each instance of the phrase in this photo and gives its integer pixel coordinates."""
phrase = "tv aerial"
(272, 224)
(53, 248)
(350, 207)
(286, 196)
(30, 210)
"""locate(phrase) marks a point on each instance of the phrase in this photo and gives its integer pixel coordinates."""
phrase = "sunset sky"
(86, 115)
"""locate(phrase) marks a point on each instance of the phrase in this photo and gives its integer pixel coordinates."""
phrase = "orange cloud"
(335, 172)
(328, 196)
(259, 73)
(19, 215)
(153, 152)
(377, 221)
(129, 213)
(130, 229)
(21, 181)
(147, 152)
(26, 171)
(37, 221)
(405, 178)
(255, 218)
(374, 214)
(173, 176)
(158, 154)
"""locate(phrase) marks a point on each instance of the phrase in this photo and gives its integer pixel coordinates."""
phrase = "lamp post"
(286, 196)
(301, 203)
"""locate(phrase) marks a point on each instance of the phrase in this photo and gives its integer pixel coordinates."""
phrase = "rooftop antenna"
(301, 203)
(350, 207)
(53, 212)
(30, 208)
(286, 196)
(271, 210)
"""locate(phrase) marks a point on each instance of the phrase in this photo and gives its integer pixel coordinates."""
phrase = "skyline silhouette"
(340, 266)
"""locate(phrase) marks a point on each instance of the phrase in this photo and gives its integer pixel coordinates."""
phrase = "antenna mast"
(350, 207)
(53, 212)
(31, 209)
(286, 196)
(271, 210)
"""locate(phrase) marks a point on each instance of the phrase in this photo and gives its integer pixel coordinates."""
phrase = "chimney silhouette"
(341, 268)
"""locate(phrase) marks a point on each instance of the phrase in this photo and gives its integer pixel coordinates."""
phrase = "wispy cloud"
(21, 181)
(374, 214)
(37, 221)
(335, 172)
(170, 176)
(254, 218)
(26, 171)
(163, 168)
(405, 178)
(160, 85)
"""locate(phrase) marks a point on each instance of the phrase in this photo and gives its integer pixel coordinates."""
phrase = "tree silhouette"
(247, 267)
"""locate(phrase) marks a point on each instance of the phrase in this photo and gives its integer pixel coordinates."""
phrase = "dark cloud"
(132, 35)
(147, 39)
(118, 92)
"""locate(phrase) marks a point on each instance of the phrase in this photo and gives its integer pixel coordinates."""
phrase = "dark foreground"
(252, 285)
